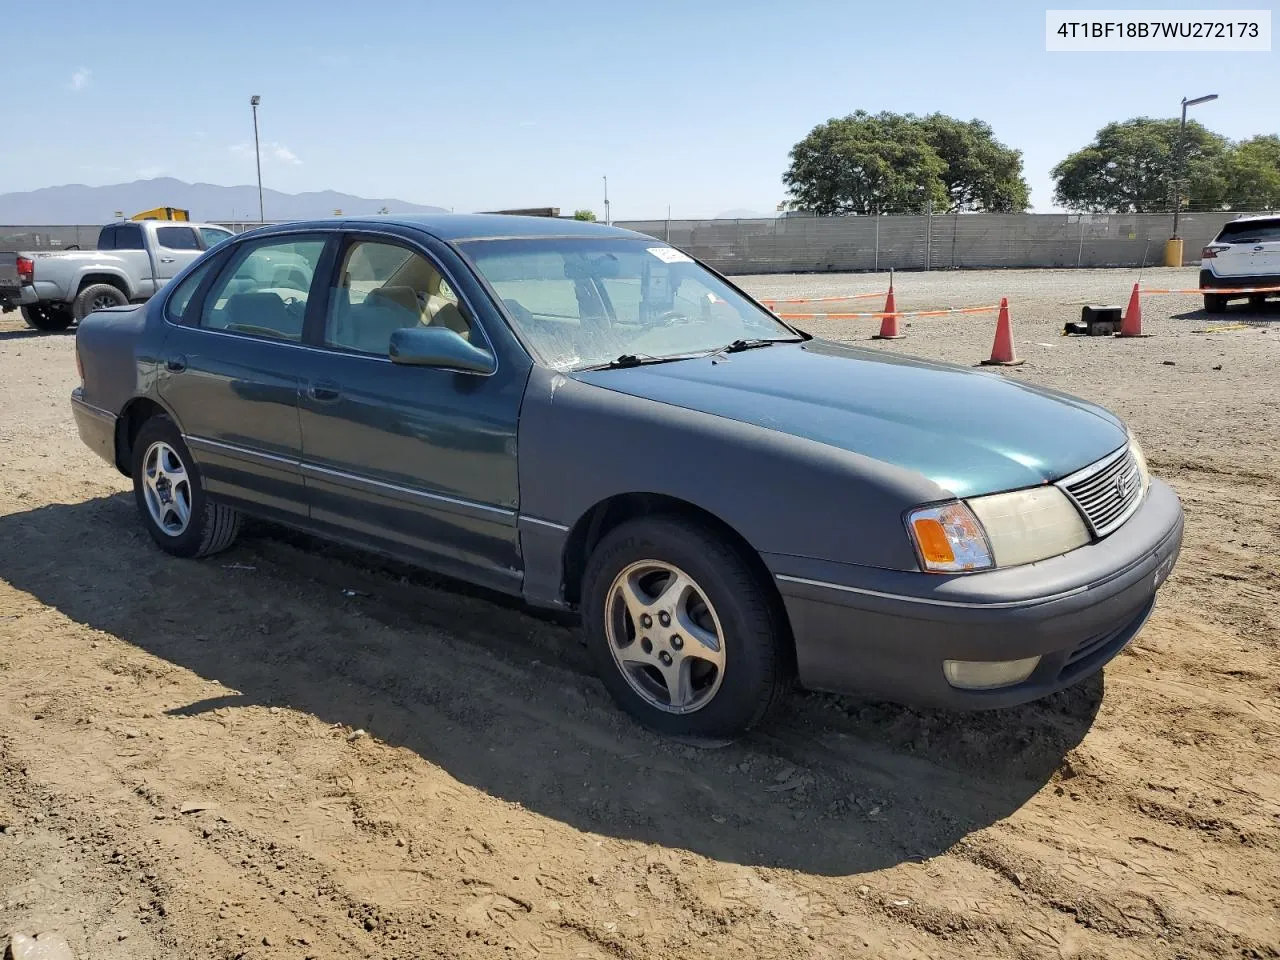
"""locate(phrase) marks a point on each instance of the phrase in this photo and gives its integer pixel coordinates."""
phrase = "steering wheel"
(671, 318)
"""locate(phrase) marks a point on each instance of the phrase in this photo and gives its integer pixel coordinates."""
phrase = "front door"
(414, 461)
(176, 247)
(232, 365)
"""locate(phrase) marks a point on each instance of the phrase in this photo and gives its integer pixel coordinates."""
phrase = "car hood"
(969, 431)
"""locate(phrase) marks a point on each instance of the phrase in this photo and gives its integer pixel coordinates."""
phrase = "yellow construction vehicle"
(163, 213)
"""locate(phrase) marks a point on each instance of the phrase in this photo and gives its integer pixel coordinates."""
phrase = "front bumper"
(885, 634)
(97, 426)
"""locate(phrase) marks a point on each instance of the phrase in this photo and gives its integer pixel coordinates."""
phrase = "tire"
(1258, 301)
(1215, 303)
(97, 296)
(725, 599)
(47, 317)
(207, 527)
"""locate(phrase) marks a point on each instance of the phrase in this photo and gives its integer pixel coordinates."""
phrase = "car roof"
(467, 226)
(1261, 216)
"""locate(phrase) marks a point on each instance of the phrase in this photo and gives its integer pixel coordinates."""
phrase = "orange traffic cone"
(1002, 354)
(889, 323)
(1131, 324)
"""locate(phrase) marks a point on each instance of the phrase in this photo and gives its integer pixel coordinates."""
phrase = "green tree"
(982, 173)
(900, 163)
(1130, 168)
(1253, 174)
(583, 215)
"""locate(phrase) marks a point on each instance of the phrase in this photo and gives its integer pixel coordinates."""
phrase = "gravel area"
(294, 751)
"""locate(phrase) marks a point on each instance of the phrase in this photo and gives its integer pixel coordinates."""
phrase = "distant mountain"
(77, 203)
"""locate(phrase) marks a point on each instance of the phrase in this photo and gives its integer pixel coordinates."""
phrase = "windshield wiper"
(636, 360)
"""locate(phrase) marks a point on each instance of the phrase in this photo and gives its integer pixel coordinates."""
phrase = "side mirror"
(438, 347)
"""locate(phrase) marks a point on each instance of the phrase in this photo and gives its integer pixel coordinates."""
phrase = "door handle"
(168, 260)
(176, 364)
(324, 392)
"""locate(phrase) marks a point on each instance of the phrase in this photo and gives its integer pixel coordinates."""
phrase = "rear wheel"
(170, 496)
(98, 296)
(45, 316)
(1257, 301)
(684, 635)
(1215, 303)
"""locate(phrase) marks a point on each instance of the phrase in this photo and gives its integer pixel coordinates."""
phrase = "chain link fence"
(920, 242)
(806, 244)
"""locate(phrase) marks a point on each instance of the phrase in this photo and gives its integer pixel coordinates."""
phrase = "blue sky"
(479, 105)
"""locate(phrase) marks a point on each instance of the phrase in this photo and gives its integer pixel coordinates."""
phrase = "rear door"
(232, 364)
(175, 247)
(1249, 248)
(131, 247)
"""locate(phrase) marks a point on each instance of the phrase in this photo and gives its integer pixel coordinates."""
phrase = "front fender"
(580, 444)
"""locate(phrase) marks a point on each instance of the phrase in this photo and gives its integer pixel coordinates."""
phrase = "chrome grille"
(1106, 492)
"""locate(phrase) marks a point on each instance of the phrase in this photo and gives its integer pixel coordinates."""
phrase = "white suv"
(1245, 253)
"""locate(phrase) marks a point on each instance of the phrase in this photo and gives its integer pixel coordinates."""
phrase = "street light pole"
(1180, 162)
(257, 153)
(606, 202)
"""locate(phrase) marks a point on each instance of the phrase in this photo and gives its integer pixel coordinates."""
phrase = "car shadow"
(1236, 312)
(506, 702)
(25, 334)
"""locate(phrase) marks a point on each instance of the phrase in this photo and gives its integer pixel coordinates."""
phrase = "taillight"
(1211, 251)
(26, 269)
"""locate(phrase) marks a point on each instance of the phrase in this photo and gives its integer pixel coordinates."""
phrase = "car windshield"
(589, 301)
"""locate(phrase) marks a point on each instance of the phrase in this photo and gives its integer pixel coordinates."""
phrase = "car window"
(177, 238)
(129, 237)
(383, 287)
(176, 307)
(107, 238)
(1250, 231)
(263, 292)
(214, 237)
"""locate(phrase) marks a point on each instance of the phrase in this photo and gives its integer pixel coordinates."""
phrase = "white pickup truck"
(134, 259)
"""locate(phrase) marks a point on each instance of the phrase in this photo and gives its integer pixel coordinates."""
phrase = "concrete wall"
(825, 244)
(809, 244)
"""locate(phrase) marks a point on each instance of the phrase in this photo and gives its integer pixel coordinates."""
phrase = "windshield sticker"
(670, 255)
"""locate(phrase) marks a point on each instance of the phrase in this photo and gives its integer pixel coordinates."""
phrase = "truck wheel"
(170, 495)
(685, 636)
(43, 316)
(98, 296)
(1215, 303)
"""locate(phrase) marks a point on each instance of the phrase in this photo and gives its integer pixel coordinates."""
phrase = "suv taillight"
(26, 269)
(1211, 251)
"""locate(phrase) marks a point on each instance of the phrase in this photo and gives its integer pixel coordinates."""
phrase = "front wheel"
(170, 495)
(685, 635)
(46, 317)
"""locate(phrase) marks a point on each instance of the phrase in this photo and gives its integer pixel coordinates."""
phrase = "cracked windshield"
(596, 302)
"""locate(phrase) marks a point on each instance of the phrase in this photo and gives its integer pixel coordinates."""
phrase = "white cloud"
(270, 151)
(79, 80)
(528, 123)
(150, 173)
(284, 154)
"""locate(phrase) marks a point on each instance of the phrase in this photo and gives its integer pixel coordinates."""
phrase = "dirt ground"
(294, 751)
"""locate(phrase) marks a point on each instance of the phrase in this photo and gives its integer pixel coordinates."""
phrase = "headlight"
(1143, 473)
(1029, 525)
(949, 539)
(1000, 530)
